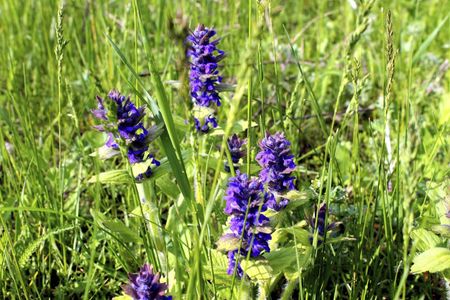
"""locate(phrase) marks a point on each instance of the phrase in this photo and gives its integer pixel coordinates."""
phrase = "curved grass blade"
(169, 140)
(315, 102)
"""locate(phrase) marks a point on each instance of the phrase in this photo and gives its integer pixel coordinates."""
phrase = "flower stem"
(263, 290)
(150, 213)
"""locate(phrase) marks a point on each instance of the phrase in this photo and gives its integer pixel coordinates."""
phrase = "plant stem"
(150, 213)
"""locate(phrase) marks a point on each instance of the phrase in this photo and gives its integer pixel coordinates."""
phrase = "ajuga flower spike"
(249, 227)
(145, 285)
(235, 146)
(204, 76)
(318, 223)
(125, 123)
(277, 164)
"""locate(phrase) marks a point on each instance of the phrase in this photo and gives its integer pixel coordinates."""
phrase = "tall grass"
(359, 88)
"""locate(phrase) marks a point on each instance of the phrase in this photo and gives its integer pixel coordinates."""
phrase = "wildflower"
(235, 145)
(248, 225)
(204, 76)
(129, 128)
(145, 285)
(100, 112)
(208, 120)
(111, 142)
(277, 164)
(319, 223)
(232, 261)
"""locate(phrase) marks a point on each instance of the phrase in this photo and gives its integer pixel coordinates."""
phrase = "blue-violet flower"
(235, 146)
(129, 128)
(204, 76)
(319, 224)
(245, 204)
(145, 285)
(277, 164)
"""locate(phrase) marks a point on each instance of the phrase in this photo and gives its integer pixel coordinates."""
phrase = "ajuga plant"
(145, 285)
(277, 163)
(235, 146)
(123, 124)
(318, 224)
(204, 76)
(249, 228)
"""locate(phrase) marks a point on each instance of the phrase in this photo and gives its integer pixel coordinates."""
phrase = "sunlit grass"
(362, 97)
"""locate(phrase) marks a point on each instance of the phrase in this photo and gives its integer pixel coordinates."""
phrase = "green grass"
(365, 102)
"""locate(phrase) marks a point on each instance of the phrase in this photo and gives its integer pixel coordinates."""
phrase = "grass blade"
(168, 138)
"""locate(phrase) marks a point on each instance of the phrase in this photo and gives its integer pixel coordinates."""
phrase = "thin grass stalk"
(316, 106)
(13, 266)
(61, 43)
(249, 90)
(151, 213)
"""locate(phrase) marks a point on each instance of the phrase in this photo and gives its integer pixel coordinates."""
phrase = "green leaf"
(259, 270)
(104, 152)
(112, 177)
(138, 212)
(3, 247)
(285, 259)
(180, 124)
(211, 162)
(443, 230)
(168, 187)
(283, 234)
(301, 235)
(116, 228)
(296, 198)
(423, 47)
(122, 297)
(121, 231)
(340, 239)
(424, 239)
(221, 87)
(122, 176)
(222, 280)
(281, 259)
(433, 260)
(279, 235)
(228, 242)
(219, 267)
(165, 166)
(97, 216)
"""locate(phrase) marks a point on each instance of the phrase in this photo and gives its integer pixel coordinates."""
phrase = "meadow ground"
(359, 88)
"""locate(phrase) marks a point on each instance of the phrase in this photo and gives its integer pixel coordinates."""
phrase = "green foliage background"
(370, 135)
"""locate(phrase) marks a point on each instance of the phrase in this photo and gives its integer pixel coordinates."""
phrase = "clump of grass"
(359, 88)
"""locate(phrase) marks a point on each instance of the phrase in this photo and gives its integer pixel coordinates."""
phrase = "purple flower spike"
(232, 259)
(277, 164)
(235, 145)
(204, 76)
(129, 126)
(145, 285)
(318, 223)
(245, 204)
(204, 128)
